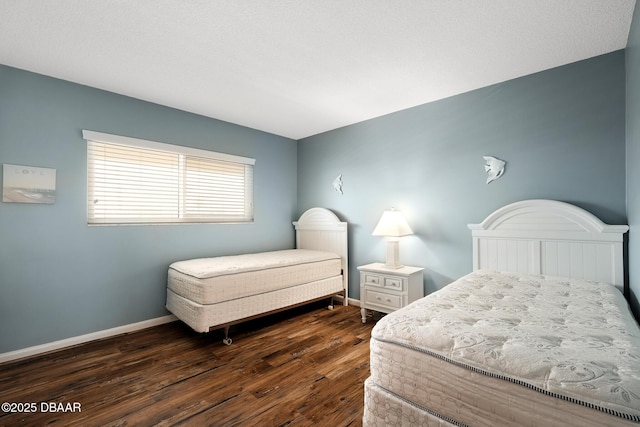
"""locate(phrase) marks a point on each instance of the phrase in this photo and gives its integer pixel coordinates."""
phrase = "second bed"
(212, 293)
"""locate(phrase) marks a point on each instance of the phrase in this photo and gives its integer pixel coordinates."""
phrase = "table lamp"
(392, 225)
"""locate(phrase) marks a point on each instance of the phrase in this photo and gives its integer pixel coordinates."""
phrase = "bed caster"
(226, 340)
(330, 307)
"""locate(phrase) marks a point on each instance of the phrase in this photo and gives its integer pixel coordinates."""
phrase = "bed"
(216, 293)
(539, 334)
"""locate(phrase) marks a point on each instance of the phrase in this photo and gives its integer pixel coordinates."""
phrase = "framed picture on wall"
(28, 184)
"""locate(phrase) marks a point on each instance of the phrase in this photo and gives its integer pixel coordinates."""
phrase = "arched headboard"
(549, 237)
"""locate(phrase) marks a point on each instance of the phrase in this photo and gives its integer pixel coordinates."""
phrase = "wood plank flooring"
(302, 367)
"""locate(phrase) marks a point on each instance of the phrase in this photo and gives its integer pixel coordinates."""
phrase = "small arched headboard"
(549, 237)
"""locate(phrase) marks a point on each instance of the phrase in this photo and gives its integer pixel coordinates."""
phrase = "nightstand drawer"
(373, 279)
(380, 298)
(391, 283)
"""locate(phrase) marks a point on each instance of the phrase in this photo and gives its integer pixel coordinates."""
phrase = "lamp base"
(393, 254)
(392, 267)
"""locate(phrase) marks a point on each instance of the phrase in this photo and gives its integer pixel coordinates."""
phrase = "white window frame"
(180, 210)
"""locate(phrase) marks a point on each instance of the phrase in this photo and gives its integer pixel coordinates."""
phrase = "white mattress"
(383, 409)
(219, 279)
(501, 349)
(202, 317)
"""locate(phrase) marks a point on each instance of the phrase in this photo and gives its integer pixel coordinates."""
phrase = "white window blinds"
(132, 181)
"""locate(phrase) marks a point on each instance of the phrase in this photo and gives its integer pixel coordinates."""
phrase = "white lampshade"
(392, 224)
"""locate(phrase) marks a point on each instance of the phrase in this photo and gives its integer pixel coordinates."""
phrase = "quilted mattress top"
(569, 338)
(203, 268)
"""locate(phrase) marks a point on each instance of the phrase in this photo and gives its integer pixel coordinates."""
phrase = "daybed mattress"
(501, 349)
(219, 279)
(201, 317)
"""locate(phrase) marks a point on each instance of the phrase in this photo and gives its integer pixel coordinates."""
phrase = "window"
(133, 181)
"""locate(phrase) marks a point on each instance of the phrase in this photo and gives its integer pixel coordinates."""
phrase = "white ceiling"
(301, 67)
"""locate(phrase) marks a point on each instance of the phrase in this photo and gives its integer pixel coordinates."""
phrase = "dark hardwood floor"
(303, 367)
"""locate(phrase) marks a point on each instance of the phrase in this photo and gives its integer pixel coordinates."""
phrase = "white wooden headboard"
(321, 229)
(549, 237)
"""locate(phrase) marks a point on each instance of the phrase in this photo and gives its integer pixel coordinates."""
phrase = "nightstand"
(388, 289)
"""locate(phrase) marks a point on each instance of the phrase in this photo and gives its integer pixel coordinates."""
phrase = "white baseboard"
(355, 302)
(81, 339)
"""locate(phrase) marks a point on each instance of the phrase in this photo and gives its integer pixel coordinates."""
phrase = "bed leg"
(330, 307)
(226, 340)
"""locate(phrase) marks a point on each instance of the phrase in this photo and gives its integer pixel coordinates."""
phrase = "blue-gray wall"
(633, 158)
(60, 278)
(561, 133)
